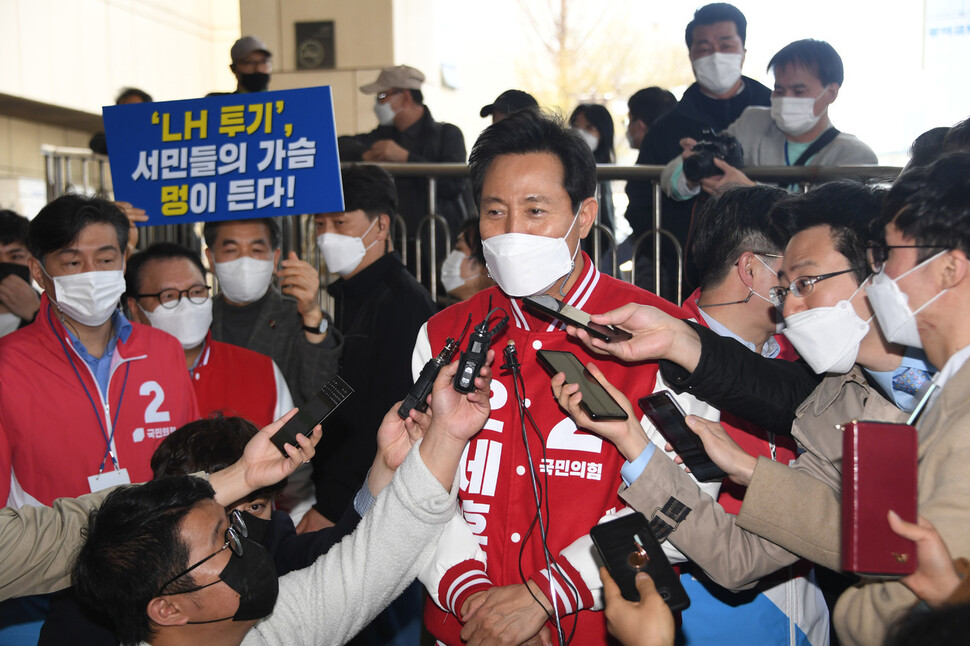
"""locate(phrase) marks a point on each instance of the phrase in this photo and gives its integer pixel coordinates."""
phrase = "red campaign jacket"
(753, 439)
(239, 382)
(49, 420)
(579, 474)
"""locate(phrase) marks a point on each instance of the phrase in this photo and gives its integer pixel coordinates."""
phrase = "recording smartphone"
(596, 402)
(312, 413)
(627, 546)
(665, 413)
(575, 316)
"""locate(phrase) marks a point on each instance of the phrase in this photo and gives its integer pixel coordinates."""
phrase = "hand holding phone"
(627, 546)
(574, 316)
(666, 415)
(596, 402)
(312, 413)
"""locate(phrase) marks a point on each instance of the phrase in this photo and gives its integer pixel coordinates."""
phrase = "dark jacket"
(693, 114)
(765, 392)
(427, 141)
(379, 311)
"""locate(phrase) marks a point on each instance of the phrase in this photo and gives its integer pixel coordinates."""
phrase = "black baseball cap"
(510, 101)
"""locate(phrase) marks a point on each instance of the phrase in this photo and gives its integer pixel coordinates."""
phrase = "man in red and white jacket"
(85, 395)
(535, 183)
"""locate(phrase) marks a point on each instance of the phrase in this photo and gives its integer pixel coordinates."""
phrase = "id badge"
(100, 481)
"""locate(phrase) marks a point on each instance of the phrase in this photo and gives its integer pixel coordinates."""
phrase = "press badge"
(107, 479)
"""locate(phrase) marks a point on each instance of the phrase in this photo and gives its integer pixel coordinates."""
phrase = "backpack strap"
(824, 140)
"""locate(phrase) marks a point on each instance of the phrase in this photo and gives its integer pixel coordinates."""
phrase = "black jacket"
(732, 378)
(379, 311)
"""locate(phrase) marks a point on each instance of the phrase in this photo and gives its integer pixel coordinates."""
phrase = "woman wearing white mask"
(794, 131)
(594, 124)
(463, 272)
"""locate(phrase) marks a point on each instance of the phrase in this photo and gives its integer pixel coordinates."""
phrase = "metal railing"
(80, 170)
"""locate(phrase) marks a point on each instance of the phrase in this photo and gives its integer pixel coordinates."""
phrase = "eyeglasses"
(234, 535)
(800, 287)
(383, 95)
(878, 253)
(170, 298)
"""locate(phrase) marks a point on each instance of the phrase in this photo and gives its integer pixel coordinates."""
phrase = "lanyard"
(97, 410)
(918, 410)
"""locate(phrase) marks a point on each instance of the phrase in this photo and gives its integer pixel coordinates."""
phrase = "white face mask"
(188, 322)
(891, 305)
(343, 254)
(718, 72)
(795, 115)
(828, 338)
(91, 297)
(591, 140)
(385, 113)
(8, 323)
(451, 271)
(524, 264)
(244, 280)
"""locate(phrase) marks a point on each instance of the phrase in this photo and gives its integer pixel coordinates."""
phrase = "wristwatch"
(321, 329)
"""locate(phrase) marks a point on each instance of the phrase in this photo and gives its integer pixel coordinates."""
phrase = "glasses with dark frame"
(234, 535)
(800, 287)
(170, 298)
(877, 253)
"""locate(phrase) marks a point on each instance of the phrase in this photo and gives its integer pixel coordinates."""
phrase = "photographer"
(795, 131)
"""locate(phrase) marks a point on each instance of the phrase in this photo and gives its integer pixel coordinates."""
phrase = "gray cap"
(401, 77)
(246, 46)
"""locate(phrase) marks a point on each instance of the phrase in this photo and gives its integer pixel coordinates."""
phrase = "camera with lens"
(701, 163)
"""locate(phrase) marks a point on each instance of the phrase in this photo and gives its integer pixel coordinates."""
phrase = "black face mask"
(253, 576)
(256, 527)
(254, 82)
(7, 268)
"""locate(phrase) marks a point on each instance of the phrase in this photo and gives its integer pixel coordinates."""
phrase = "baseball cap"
(246, 46)
(510, 101)
(401, 76)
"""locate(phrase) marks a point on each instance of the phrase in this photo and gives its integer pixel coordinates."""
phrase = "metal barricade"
(678, 251)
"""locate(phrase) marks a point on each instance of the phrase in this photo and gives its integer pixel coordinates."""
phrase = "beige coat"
(796, 508)
(864, 612)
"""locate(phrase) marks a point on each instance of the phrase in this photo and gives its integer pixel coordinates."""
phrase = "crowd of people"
(810, 310)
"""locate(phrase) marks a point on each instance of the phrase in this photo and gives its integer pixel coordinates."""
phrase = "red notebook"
(878, 474)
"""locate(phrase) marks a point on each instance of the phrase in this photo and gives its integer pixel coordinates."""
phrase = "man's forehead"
(169, 270)
(243, 232)
(340, 214)
(200, 528)
(530, 176)
(808, 248)
(724, 30)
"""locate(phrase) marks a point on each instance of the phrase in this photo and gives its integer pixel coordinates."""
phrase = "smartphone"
(627, 546)
(665, 413)
(596, 402)
(575, 316)
(312, 413)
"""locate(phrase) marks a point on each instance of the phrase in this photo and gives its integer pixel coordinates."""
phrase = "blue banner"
(228, 157)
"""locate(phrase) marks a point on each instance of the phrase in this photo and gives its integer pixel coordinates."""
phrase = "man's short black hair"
(134, 545)
(738, 220)
(13, 227)
(931, 204)
(211, 229)
(370, 189)
(531, 131)
(816, 56)
(209, 445)
(650, 103)
(927, 147)
(129, 92)
(850, 209)
(157, 251)
(714, 13)
(60, 223)
(957, 139)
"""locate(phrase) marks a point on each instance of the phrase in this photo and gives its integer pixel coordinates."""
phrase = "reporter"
(647, 622)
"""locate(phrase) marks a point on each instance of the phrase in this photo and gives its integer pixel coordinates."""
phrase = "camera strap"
(824, 140)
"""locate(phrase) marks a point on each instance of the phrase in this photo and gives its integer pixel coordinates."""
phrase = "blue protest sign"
(228, 157)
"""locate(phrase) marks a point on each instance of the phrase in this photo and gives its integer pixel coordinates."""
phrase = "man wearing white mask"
(463, 273)
(716, 46)
(85, 395)
(535, 184)
(166, 289)
(285, 324)
(379, 307)
(794, 131)
(923, 287)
